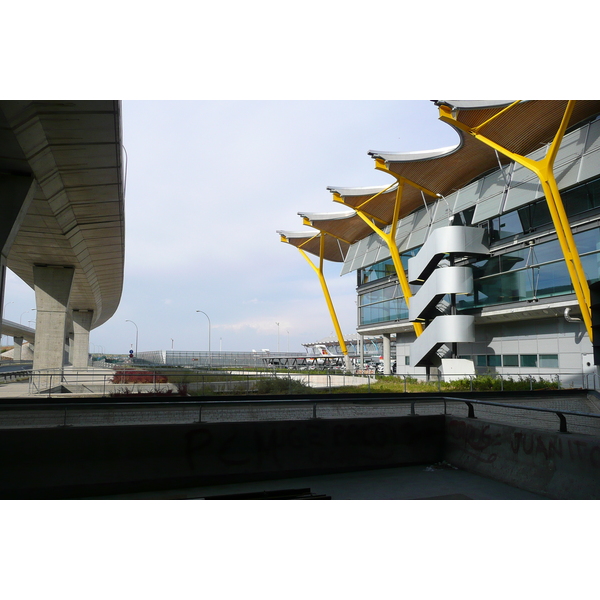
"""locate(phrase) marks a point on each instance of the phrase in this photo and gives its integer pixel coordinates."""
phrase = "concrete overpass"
(62, 226)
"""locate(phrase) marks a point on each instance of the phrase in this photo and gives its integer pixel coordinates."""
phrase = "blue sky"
(208, 185)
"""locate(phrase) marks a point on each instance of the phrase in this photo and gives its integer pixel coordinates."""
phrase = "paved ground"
(433, 482)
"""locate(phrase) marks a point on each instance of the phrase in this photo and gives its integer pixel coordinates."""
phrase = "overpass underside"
(62, 219)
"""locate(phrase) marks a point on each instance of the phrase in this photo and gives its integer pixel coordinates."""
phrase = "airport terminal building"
(486, 252)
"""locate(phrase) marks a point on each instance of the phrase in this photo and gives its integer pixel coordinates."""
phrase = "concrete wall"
(60, 462)
(74, 462)
(557, 465)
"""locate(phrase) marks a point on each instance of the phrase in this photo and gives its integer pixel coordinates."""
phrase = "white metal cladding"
(441, 212)
(349, 260)
(420, 229)
(448, 280)
(445, 329)
(463, 240)
(374, 248)
(467, 197)
(590, 164)
(403, 232)
(593, 136)
(488, 208)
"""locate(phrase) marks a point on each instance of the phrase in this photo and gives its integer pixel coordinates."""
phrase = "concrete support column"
(52, 291)
(70, 339)
(387, 354)
(16, 193)
(82, 324)
(18, 348)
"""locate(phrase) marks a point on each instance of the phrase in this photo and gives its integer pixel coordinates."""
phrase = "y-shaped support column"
(390, 237)
(544, 169)
(319, 271)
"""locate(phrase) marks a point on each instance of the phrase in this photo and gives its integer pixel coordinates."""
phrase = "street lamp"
(136, 336)
(277, 335)
(21, 317)
(201, 311)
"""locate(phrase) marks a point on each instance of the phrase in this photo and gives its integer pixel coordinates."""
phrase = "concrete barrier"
(557, 465)
(64, 462)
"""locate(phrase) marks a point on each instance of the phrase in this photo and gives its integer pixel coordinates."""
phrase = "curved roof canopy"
(522, 128)
(334, 250)
(73, 150)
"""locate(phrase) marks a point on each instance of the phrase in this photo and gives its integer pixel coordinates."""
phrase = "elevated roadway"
(62, 227)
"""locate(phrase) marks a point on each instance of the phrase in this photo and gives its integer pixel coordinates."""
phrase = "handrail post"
(471, 414)
(563, 423)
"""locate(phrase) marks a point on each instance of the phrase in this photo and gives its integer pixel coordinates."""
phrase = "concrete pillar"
(362, 352)
(52, 286)
(16, 194)
(387, 354)
(82, 323)
(70, 339)
(18, 348)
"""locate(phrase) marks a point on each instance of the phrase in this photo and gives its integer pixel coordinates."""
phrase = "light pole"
(136, 336)
(3, 312)
(201, 311)
(277, 336)
(21, 317)
(288, 332)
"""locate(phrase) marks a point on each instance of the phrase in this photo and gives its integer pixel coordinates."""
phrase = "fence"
(179, 411)
(127, 380)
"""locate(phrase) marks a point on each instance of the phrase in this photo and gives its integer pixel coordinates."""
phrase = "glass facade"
(384, 304)
(530, 273)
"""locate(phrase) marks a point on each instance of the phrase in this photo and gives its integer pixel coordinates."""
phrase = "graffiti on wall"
(483, 442)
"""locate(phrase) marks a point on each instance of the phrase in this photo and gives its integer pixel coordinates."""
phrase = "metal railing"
(123, 379)
(178, 411)
(128, 380)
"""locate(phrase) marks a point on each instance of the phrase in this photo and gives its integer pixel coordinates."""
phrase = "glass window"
(551, 280)
(577, 200)
(407, 360)
(494, 360)
(513, 260)
(512, 224)
(543, 253)
(529, 360)
(591, 267)
(481, 360)
(594, 191)
(549, 361)
(587, 241)
(510, 360)
(540, 214)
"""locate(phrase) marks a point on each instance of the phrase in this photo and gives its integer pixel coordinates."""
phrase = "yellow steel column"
(390, 240)
(319, 272)
(544, 169)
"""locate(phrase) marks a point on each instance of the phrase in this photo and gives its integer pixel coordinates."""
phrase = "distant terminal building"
(482, 256)
(372, 345)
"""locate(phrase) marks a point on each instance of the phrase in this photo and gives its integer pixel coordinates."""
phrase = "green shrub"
(280, 385)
